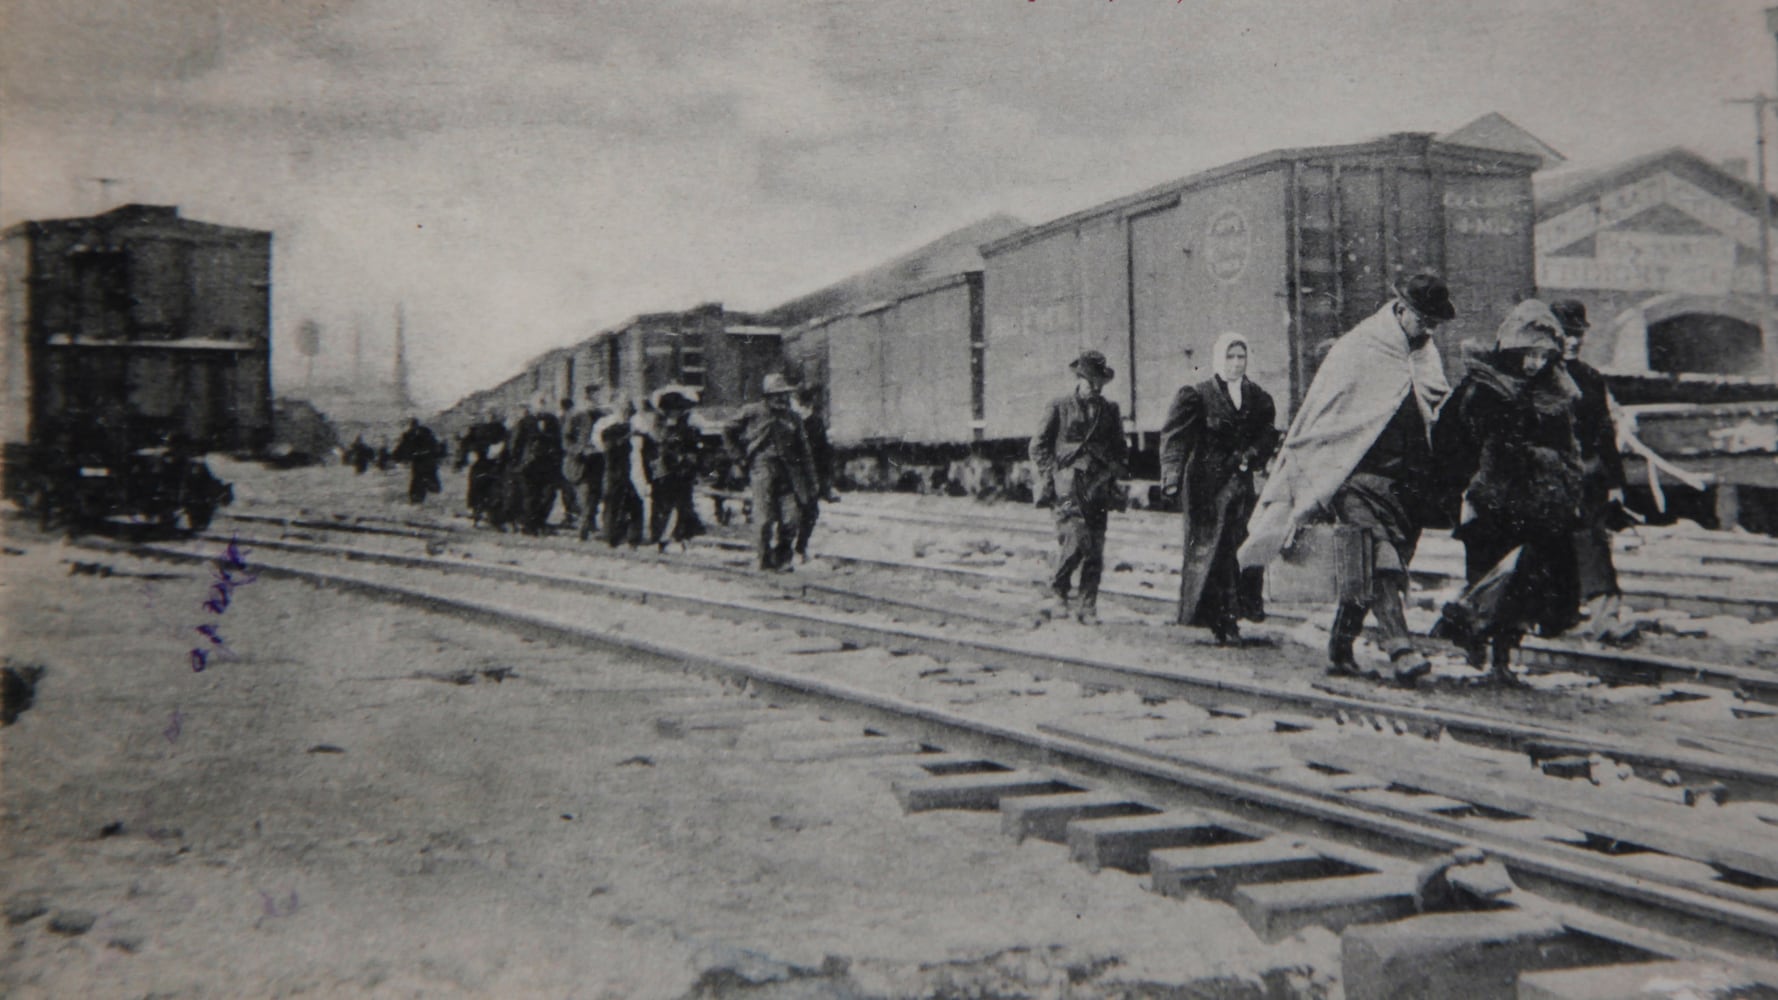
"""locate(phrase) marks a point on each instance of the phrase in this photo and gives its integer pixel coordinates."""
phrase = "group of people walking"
(1520, 460)
(630, 472)
(635, 465)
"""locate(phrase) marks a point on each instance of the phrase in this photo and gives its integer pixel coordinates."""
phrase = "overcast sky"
(521, 173)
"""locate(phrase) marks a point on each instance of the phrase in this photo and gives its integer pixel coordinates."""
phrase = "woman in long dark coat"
(1218, 434)
(1506, 440)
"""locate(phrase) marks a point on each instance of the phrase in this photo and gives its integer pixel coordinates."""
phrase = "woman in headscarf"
(1217, 435)
(1506, 441)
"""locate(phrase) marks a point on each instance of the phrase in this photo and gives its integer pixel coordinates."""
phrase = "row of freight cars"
(949, 372)
(1291, 248)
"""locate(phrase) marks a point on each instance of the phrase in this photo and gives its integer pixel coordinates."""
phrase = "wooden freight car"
(1291, 247)
(902, 378)
(141, 312)
(725, 355)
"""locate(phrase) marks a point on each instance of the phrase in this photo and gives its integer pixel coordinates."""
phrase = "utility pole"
(105, 185)
(1766, 327)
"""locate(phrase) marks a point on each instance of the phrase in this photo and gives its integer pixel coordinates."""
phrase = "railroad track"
(1548, 655)
(1750, 592)
(1298, 807)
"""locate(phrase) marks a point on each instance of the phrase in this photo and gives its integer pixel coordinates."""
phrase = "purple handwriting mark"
(222, 589)
(275, 907)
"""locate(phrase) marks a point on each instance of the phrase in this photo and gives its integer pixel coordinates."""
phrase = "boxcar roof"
(1391, 147)
(132, 216)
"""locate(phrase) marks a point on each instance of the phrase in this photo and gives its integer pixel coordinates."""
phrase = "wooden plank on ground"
(1673, 829)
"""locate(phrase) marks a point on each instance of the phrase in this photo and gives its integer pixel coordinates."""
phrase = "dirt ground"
(355, 799)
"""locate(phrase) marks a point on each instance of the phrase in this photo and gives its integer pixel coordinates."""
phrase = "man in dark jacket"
(767, 439)
(1602, 465)
(584, 466)
(419, 448)
(483, 451)
(1080, 450)
(540, 464)
(808, 406)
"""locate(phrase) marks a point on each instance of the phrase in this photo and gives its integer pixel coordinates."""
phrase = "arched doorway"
(1678, 332)
(1706, 343)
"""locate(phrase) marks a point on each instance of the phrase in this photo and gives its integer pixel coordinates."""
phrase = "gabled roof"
(1495, 131)
(1562, 190)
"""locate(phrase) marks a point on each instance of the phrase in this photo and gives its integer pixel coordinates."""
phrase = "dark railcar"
(155, 327)
(1291, 248)
(725, 355)
(167, 316)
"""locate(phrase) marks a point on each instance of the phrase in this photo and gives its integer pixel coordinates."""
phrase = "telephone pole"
(1766, 332)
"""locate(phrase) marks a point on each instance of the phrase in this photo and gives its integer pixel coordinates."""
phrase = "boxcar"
(1292, 247)
(902, 372)
(724, 354)
(166, 317)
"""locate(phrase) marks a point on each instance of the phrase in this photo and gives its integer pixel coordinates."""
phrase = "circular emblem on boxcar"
(1227, 245)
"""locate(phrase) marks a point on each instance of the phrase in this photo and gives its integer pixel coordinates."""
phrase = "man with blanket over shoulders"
(1359, 450)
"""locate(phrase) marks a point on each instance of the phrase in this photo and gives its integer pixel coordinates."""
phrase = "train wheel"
(198, 516)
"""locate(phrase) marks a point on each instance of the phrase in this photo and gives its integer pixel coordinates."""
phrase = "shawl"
(1360, 385)
(1220, 358)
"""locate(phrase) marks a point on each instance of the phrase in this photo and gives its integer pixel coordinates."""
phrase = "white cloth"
(1357, 390)
(1221, 357)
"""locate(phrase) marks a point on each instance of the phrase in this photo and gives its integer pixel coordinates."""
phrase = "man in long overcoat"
(1080, 452)
(483, 450)
(767, 439)
(540, 463)
(420, 448)
(1360, 449)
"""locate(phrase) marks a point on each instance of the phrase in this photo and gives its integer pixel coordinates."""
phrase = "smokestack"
(401, 389)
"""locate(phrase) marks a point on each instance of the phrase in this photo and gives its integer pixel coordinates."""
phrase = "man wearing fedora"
(1360, 451)
(767, 439)
(1080, 450)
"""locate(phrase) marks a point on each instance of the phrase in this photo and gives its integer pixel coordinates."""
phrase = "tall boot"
(1500, 660)
(1347, 624)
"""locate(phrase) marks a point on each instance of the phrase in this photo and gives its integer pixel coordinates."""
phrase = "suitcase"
(1323, 564)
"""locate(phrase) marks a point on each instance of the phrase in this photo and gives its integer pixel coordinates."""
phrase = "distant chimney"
(1736, 165)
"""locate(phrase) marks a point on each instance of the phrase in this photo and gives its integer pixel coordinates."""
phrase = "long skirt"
(1210, 592)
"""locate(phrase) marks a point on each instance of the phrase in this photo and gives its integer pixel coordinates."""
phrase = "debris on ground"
(18, 689)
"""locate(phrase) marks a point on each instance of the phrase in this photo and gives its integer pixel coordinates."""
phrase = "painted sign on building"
(1626, 258)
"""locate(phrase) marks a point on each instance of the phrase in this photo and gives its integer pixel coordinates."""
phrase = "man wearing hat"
(767, 439)
(664, 462)
(1360, 450)
(1080, 450)
(1602, 465)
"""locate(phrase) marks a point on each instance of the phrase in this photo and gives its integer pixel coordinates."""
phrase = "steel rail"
(1667, 915)
(1547, 654)
(1743, 777)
